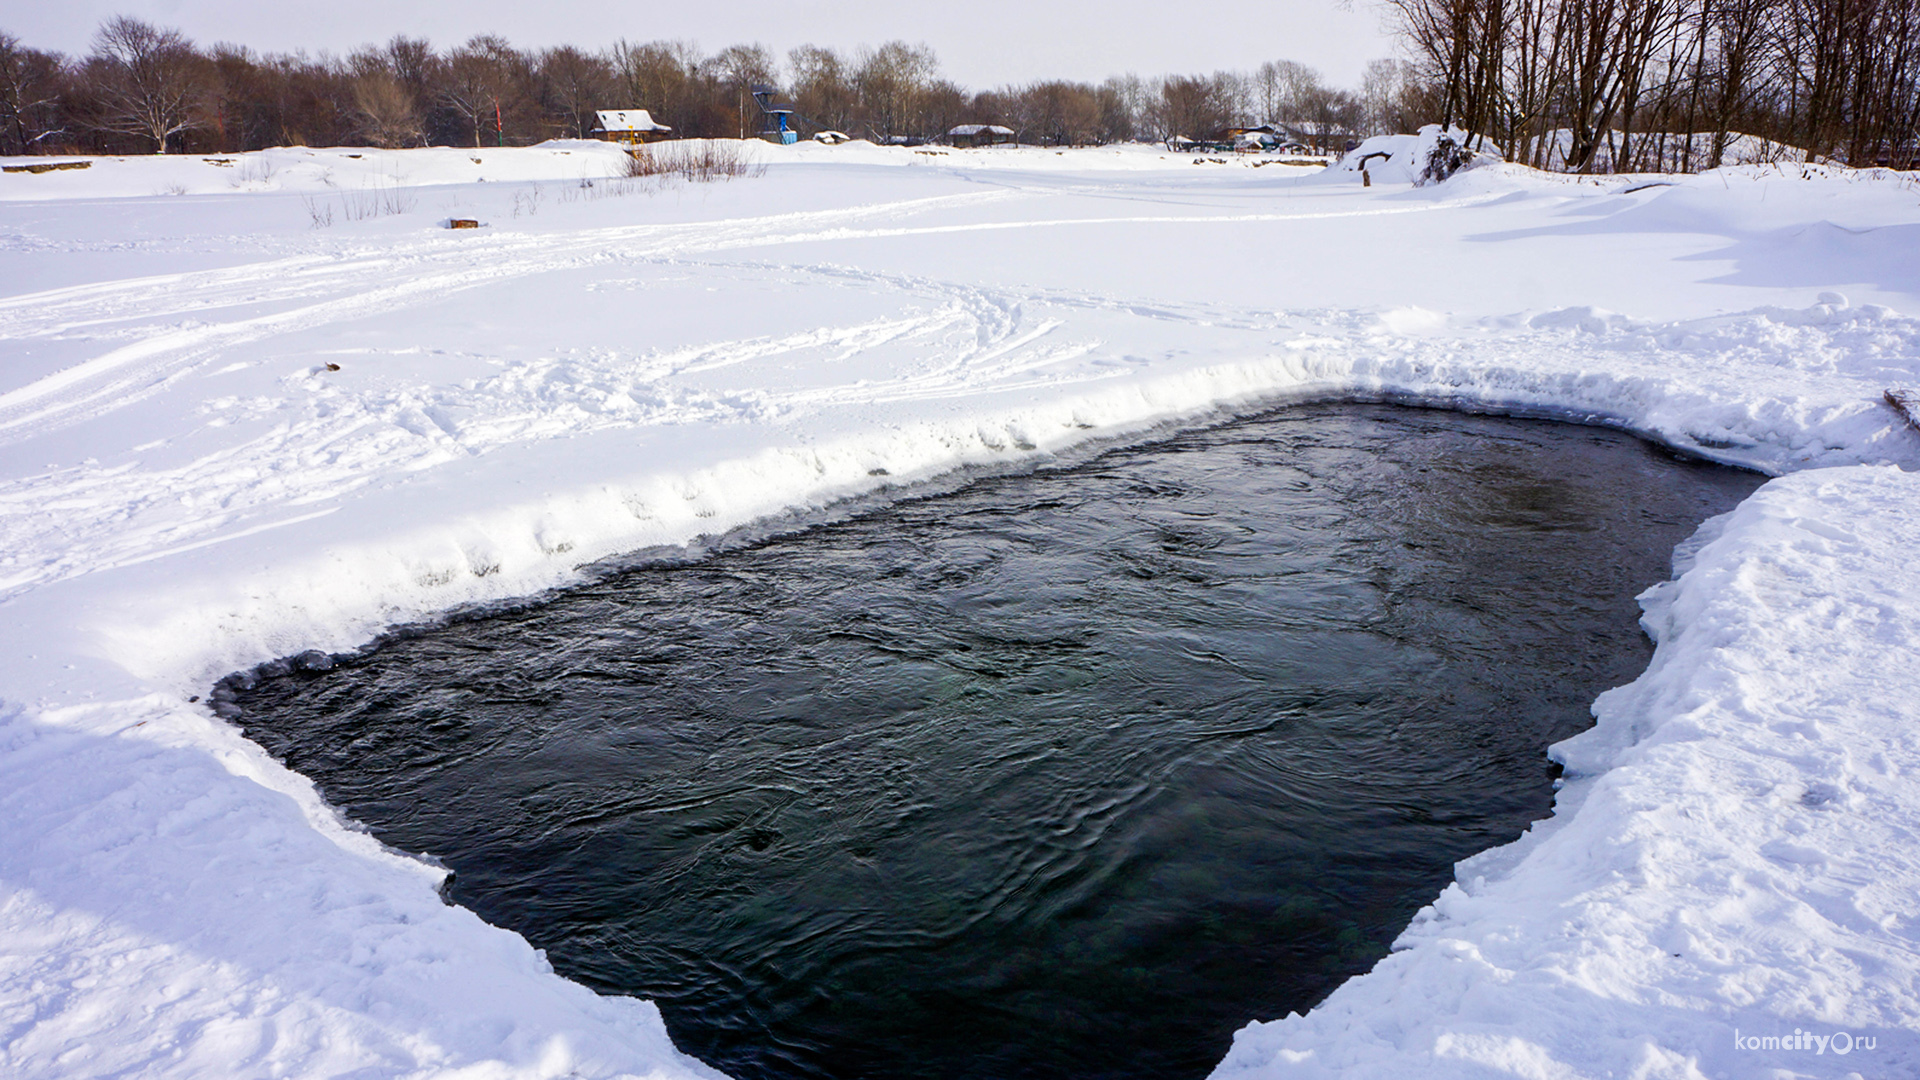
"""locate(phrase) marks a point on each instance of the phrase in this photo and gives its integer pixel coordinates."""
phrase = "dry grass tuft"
(692, 160)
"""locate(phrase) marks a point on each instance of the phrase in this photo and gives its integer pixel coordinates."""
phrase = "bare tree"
(1190, 106)
(1126, 104)
(572, 86)
(664, 78)
(1279, 89)
(1231, 92)
(387, 114)
(1738, 34)
(1388, 94)
(942, 105)
(891, 81)
(1057, 113)
(255, 101)
(245, 101)
(482, 81)
(149, 82)
(823, 89)
(1852, 66)
(390, 89)
(31, 84)
(735, 71)
(1332, 114)
(414, 63)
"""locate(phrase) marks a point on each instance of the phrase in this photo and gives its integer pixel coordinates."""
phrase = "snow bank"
(346, 171)
(230, 433)
(239, 941)
(1674, 149)
(208, 619)
(312, 171)
(1730, 859)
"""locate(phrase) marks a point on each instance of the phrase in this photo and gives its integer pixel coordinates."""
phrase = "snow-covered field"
(257, 405)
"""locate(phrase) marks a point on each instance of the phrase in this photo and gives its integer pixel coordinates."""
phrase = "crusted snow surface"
(262, 404)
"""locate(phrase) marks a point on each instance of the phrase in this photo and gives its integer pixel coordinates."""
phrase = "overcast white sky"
(981, 43)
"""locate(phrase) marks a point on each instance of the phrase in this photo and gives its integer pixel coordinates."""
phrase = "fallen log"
(46, 167)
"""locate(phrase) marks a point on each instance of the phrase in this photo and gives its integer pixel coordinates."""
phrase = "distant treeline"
(147, 89)
(1577, 85)
(1665, 84)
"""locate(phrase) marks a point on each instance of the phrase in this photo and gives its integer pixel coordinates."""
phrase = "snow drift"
(1428, 157)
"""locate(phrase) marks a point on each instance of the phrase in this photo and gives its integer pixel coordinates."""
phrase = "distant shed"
(980, 135)
(628, 126)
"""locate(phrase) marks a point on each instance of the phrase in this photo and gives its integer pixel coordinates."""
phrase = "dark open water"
(1064, 775)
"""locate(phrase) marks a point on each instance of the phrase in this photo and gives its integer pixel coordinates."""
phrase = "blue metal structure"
(776, 117)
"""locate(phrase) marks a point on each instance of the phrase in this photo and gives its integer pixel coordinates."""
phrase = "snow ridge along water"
(232, 435)
(1727, 858)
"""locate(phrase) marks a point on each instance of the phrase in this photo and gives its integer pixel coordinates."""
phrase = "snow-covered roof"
(627, 120)
(981, 129)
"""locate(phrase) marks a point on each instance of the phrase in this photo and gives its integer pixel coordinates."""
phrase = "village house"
(980, 135)
(628, 126)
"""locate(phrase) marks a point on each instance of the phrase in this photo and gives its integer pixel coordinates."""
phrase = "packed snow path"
(276, 409)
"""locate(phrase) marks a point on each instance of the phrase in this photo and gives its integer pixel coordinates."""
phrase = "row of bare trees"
(1591, 85)
(148, 89)
(1581, 85)
(896, 90)
(144, 88)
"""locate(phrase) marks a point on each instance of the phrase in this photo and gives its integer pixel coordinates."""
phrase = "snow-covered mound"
(352, 175)
(279, 414)
(1411, 159)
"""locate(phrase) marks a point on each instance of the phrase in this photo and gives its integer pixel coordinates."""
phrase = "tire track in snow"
(965, 340)
(49, 311)
(144, 367)
(344, 439)
(427, 270)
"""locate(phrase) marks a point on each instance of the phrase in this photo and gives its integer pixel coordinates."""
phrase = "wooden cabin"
(629, 127)
(980, 135)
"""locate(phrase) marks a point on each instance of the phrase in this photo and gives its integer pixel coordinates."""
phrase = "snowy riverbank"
(233, 427)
